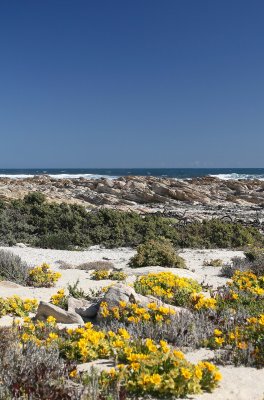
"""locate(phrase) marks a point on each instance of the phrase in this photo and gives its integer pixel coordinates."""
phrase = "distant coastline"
(111, 173)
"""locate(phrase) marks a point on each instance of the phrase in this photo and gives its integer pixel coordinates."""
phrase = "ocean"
(177, 173)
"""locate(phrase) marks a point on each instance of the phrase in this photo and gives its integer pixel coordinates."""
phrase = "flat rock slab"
(9, 285)
(46, 310)
(100, 365)
(238, 383)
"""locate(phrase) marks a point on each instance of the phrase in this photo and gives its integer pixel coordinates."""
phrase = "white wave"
(20, 176)
(235, 176)
(76, 176)
(58, 176)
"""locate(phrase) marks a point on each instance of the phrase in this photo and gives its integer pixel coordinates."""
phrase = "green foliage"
(157, 252)
(67, 226)
(12, 268)
(218, 234)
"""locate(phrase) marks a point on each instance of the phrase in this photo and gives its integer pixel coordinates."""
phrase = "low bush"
(157, 252)
(33, 372)
(134, 313)
(67, 226)
(60, 299)
(12, 268)
(218, 234)
(144, 367)
(253, 261)
(105, 274)
(168, 287)
(42, 276)
(16, 306)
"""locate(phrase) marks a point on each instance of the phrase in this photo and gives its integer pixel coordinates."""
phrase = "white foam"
(58, 176)
(235, 176)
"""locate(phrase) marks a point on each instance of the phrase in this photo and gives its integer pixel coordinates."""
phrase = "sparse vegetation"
(213, 263)
(105, 274)
(157, 252)
(12, 268)
(253, 261)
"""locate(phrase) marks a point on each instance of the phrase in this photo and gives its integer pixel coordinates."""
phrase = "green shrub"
(157, 252)
(12, 268)
(59, 241)
(218, 234)
(66, 226)
(34, 198)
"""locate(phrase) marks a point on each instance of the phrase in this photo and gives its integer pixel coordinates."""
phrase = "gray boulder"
(83, 307)
(120, 292)
(46, 310)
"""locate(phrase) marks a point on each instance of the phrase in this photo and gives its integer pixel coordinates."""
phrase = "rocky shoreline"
(200, 197)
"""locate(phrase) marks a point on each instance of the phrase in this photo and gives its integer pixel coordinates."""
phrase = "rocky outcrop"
(132, 191)
(46, 310)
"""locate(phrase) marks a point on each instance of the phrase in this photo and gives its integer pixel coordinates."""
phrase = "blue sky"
(121, 83)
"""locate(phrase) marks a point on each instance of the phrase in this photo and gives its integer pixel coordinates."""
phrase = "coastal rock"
(82, 307)
(135, 191)
(46, 310)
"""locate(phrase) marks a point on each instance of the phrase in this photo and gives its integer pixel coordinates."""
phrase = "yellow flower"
(73, 373)
(155, 379)
(186, 373)
(123, 333)
(209, 366)
(135, 366)
(51, 320)
(219, 340)
(217, 332)
(198, 373)
(53, 336)
(242, 345)
(178, 354)
(217, 376)
(164, 346)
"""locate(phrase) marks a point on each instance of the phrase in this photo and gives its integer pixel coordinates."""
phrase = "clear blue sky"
(131, 83)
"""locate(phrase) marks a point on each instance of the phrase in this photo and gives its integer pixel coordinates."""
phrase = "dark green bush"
(66, 226)
(218, 234)
(157, 252)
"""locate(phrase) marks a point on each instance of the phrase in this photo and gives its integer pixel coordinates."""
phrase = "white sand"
(240, 383)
